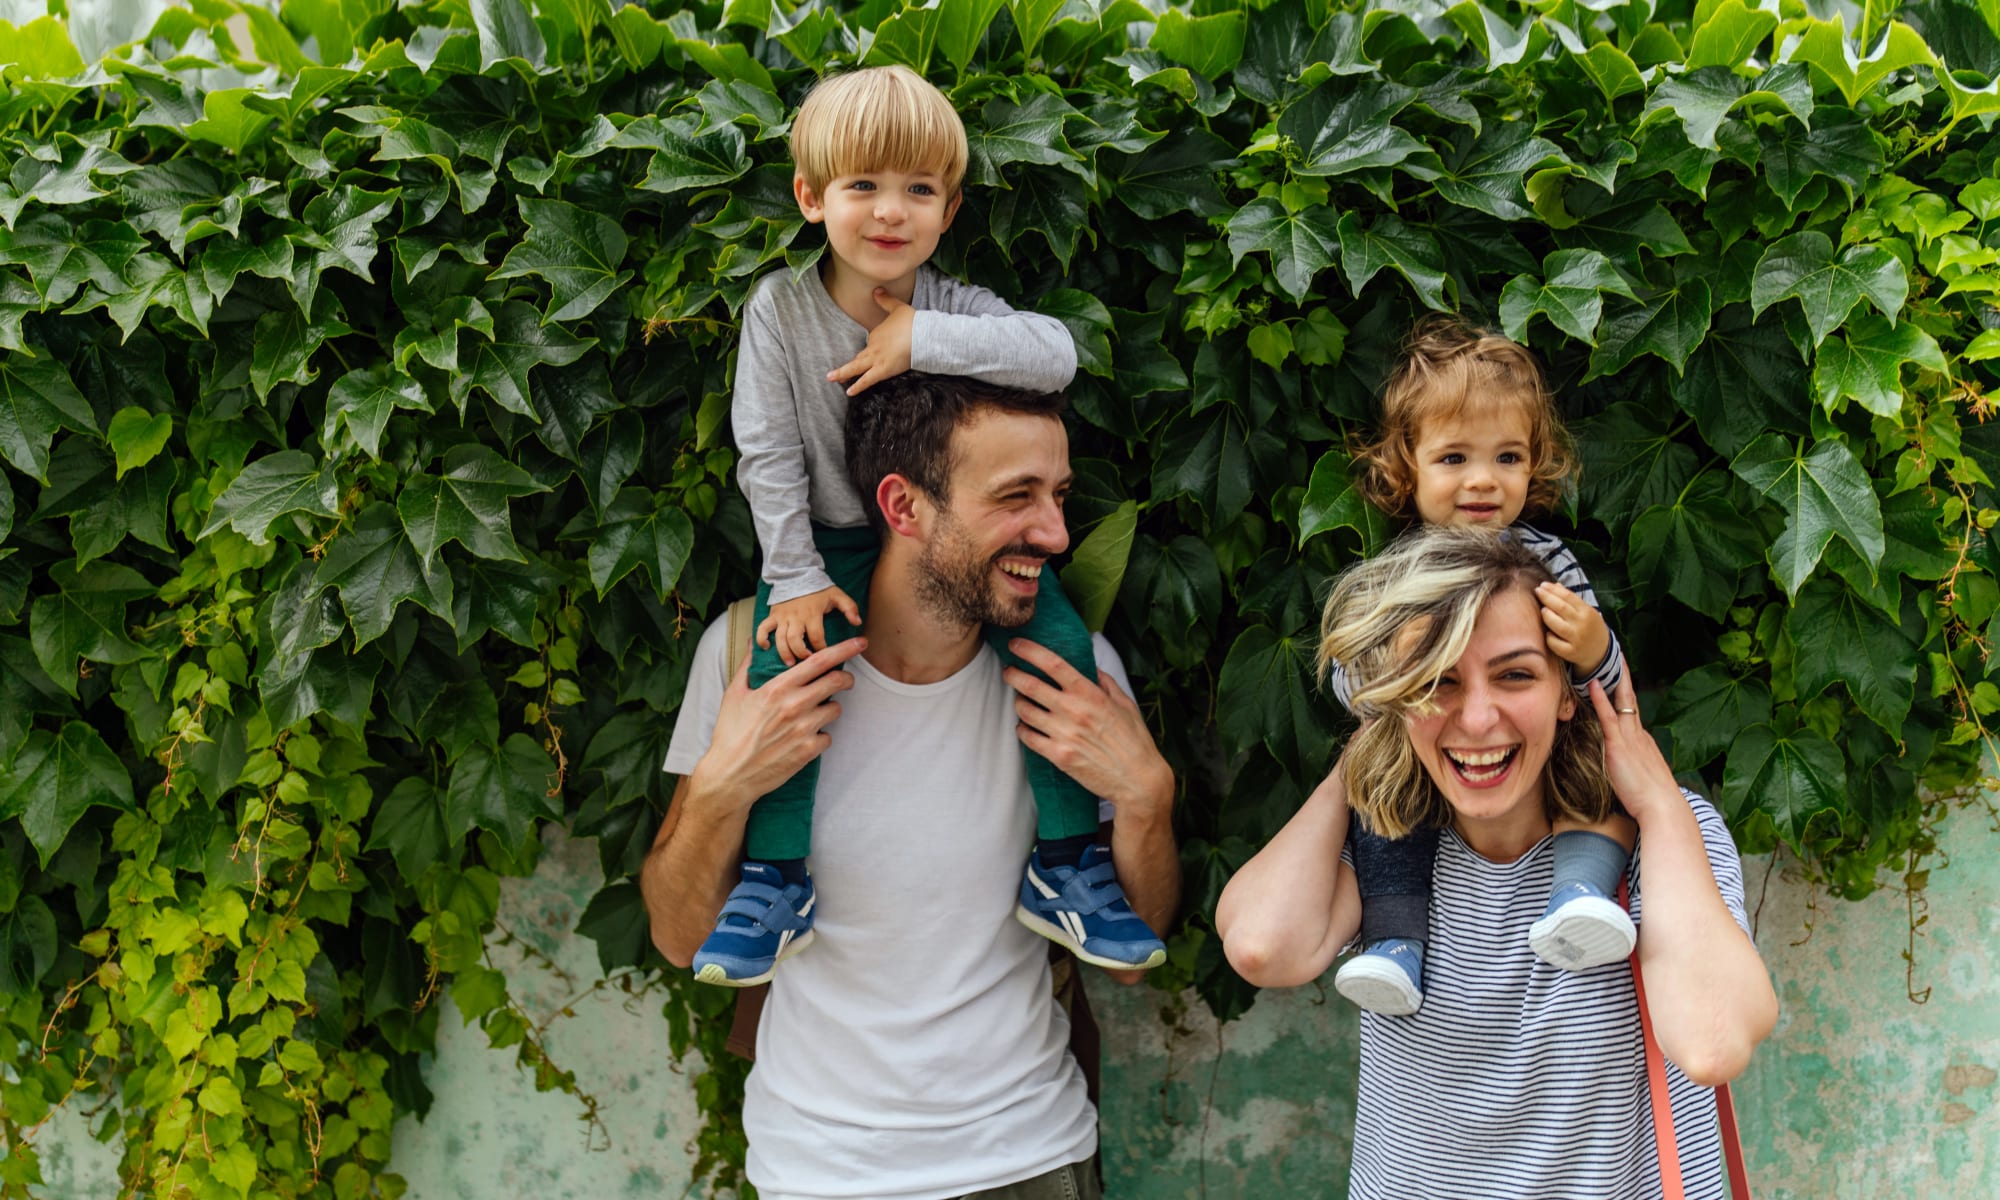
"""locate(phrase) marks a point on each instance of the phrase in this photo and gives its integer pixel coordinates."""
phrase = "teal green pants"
(780, 824)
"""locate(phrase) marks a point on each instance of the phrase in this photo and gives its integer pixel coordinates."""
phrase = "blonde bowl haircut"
(1450, 369)
(877, 119)
(1398, 622)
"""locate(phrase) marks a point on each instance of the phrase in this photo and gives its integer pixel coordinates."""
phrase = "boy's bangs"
(878, 119)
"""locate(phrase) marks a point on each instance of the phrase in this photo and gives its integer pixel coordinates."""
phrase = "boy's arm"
(1563, 565)
(772, 467)
(973, 332)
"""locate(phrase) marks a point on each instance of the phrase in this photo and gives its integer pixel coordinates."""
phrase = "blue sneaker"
(1582, 929)
(764, 922)
(1387, 977)
(1083, 908)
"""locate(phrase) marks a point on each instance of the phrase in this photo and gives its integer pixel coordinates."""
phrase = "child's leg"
(1065, 812)
(779, 829)
(1069, 891)
(1584, 925)
(1393, 876)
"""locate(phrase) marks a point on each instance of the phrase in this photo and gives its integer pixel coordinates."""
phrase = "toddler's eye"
(1452, 460)
(1512, 457)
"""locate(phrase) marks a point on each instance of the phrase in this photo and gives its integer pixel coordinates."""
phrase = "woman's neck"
(1506, 837)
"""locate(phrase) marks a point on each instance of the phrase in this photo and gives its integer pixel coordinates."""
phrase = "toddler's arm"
(1609, 669)
(772, 469)
(974, 332)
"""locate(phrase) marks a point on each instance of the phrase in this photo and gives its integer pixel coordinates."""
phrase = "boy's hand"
(1577, 632)
(799, 625)
(887, 353)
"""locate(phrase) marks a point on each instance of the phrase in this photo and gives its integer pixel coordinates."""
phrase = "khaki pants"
(1078, 1181)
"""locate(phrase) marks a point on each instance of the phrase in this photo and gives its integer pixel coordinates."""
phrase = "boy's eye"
(862, 185)
(923, 189)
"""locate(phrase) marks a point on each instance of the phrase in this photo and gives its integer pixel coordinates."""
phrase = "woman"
(1516, 1078)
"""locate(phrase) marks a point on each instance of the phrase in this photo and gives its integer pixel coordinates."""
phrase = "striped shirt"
(1516, 1078)
(1568, 572)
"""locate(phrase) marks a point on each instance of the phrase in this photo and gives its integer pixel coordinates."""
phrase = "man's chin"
(1010, 612)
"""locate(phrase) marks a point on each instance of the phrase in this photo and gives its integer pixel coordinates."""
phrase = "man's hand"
(1091, 731)
(763, 737)
(1577, 632)
(887, 353)
(798, 625)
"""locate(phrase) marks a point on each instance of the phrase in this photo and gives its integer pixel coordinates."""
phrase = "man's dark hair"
(904, 426)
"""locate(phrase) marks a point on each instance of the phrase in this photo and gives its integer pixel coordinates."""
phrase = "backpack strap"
(742, 623)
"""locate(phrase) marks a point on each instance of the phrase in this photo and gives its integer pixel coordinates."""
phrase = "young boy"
(879, 157)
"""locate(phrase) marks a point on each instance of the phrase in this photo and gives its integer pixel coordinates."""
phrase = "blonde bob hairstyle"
(1398, 622)
(1450, 370)
(877, 119)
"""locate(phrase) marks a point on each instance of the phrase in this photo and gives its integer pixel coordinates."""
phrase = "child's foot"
(1083, 908)
(1582, 929)
(764, 922)
(1387, 977)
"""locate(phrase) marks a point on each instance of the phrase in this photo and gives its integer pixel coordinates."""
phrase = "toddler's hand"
(1577, 632)
(798, 625)
(887, 353)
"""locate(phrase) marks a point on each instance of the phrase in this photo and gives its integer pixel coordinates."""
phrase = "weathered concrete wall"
(1860, 1094)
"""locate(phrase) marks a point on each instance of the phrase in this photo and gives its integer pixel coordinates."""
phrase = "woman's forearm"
(1709, 995)
(1284, 916)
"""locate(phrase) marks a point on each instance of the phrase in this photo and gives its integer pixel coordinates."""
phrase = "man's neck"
(854, 292)
(906, 641)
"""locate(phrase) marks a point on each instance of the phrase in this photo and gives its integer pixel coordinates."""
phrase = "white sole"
(1380, 987)
(1584, 933)
(1060, 937)
(713, 972)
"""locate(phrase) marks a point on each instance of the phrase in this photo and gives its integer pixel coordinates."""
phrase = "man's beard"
(955, 584)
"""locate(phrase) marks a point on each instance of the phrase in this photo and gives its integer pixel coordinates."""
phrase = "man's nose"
(1049, 531)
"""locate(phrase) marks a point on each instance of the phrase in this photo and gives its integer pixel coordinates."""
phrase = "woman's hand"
(1639, 774)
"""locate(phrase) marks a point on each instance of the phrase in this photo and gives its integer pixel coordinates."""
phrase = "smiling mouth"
(1479, 767)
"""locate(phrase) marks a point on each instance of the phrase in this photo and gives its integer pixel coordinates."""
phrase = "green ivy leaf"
(1343, 126)
(1389, 242)
(137, 436)
(1839, 146)
(286, 482)
(575, 251)
(500, 366)
(1793, 777)
(1824, 493)
(55, 778)
(683, 159)
(1866, 363)
(502, 793)
(508, 35)
(1333, 502)
(1842, 639)
(466, 504)
(1803, 267)
(1745, 378)
(641, 529)
(1706, 709)
(1208, 46)
(1089, 324)
(62, 256)
(1611, 69)
(363, 399)
(1484, 171)
(1669, 326)
(375, 568)
(616, 920)
(1300, 245)
(1051, 203)
(85, 619)
(28, 945)
(1823, 45)
(1571, 296)
(1703, 99)
(102, 509)
(36, 399)
(341, 233)
(1631, 462)
(1097, 566)
(1176, 174)
(410, 825)
(1262, 699)
(1696, 548)
(1030, 132)
(1730, 35)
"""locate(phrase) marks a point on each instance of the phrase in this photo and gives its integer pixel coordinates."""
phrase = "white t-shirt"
(1518, 1080)
(914, 1051)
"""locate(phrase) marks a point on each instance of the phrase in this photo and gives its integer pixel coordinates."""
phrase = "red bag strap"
(1671, 1185)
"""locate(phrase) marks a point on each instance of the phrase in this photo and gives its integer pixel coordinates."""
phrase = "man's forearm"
(1146, 857)
(690, 869)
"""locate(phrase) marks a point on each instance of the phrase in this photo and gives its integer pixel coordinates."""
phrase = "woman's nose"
(1477, 712)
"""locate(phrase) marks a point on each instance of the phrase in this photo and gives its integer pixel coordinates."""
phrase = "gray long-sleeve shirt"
(1563, 565)
(791, 422)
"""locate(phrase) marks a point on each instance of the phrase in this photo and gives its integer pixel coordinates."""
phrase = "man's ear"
(904, 505)
(809, 205)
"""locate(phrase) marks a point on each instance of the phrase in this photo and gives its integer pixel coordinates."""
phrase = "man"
(911, 1052)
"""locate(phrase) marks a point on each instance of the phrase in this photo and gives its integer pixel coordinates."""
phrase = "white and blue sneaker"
(1387, 977)
(1083, 909)
(1582, 929)
(764, 922)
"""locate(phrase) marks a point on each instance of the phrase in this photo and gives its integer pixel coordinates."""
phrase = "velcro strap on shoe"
(1090, 889)
(765, 905)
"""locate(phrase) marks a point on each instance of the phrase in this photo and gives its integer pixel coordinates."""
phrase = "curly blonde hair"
(878, 119)
(1449, 369)
(1399, 622)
